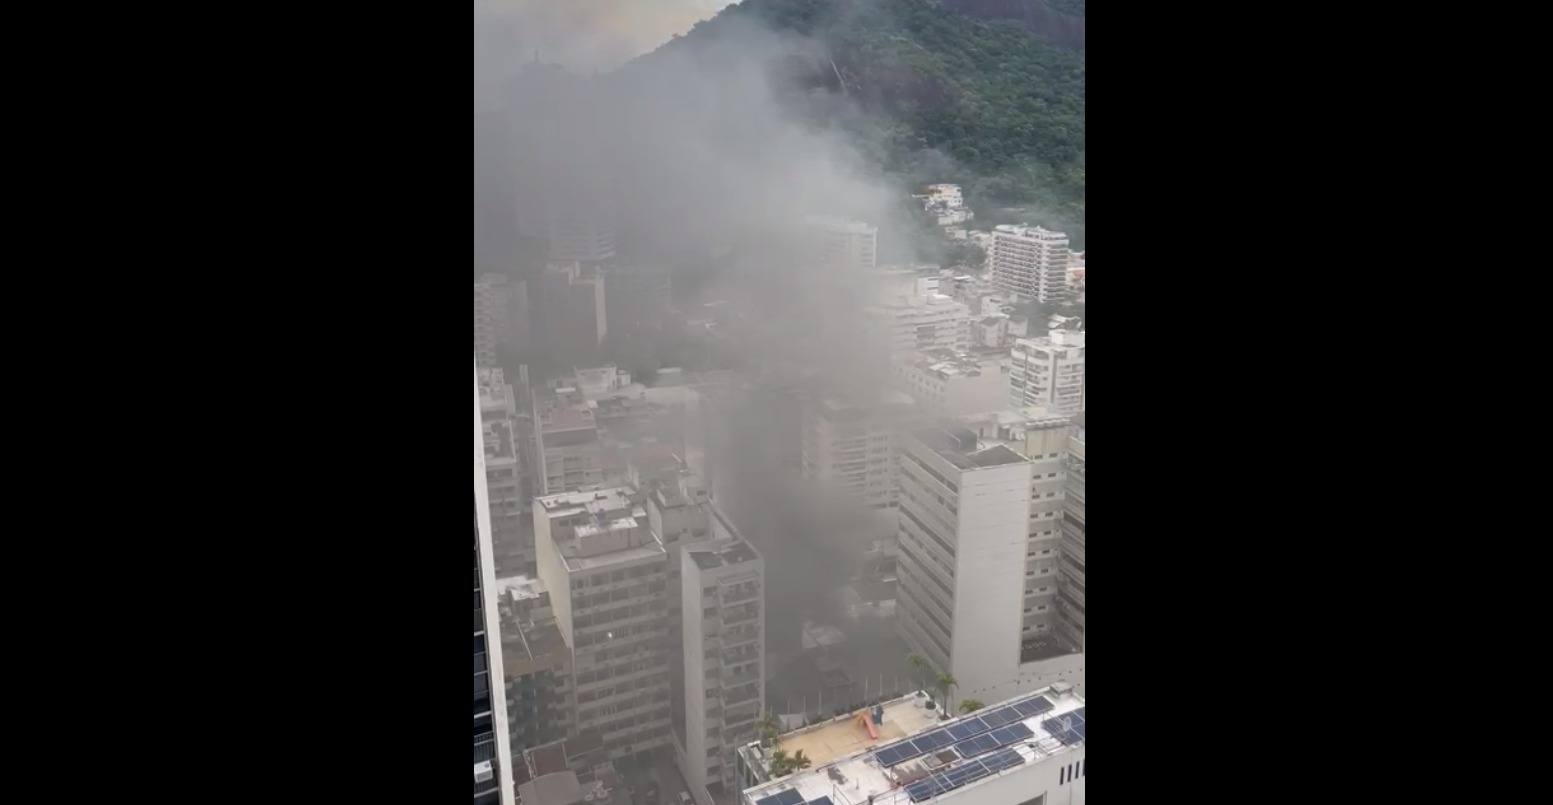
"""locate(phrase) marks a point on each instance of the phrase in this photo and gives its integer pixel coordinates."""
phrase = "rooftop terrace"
(931, 763)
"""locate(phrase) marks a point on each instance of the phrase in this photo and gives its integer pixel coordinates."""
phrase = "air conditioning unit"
(484, 771)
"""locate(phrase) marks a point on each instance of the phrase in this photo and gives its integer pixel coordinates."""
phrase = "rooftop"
(928, 763)
(613, 530)
(841, 737)
(723, 554)
(959, 446)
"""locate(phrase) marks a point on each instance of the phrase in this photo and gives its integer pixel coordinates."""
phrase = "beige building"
(1048, 372)
(851, 447)
(568, 451)
(1030, 262)
(921, 322)
(948, 382)
(608, 582)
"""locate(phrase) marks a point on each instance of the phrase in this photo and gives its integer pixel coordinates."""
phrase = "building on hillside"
(851, 447)
(921, 322)
(1030, 262)
(492, 751)
(1048, 372)
(947, 382)
(1028, 750)
(969, 567)
(608, 582)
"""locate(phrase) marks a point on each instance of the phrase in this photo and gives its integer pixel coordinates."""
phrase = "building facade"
(952, 383)
(1070, 600)
(1030, 262)
(568, 452)
(492, 751)
(636, 298)
(841, 245)
(501, 317)
(851, 448)
(1048, 372)
(977, 557)
(930, 321)
(509, 476)
(608, 582)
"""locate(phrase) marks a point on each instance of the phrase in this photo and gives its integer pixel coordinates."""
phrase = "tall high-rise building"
(851, 447)
(492, 769)
(723, 589)
(1070, 589)
(1030, 262)
(569, 317)
(841, 245)
(608, 581)
(971, 563)
(1048, 372)
(509, 472)
(501, 317)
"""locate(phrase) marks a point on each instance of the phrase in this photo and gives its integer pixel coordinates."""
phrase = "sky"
(588, 35)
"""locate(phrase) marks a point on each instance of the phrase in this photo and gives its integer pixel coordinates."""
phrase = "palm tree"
(919, 665)
(946, 683)
(769, 727)
(779, 761)
(799, 762)
(971, 705)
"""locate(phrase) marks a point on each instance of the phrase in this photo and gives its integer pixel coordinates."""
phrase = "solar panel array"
(966, 773)
(996, 739)
(961, 733)
(788, 797)
(1068, 727)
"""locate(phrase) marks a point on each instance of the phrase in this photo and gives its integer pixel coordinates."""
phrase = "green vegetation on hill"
(932, 95)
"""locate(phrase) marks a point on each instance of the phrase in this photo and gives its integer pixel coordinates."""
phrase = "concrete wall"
(994, 510)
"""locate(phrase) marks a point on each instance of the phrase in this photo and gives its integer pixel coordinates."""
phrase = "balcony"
(735, 594)
(739, 637)
(733, 698)
(730, 680)
(733, 616)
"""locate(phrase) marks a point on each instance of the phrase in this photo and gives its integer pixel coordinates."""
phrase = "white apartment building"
(1030, 262)
(501, 316)
(945, 382)
(492, 747)
(1048, 372)
(568, 451)
(1028, 750)
(723, 592)
(842, 245)
(921, 322)
(975, 587)
(851, 448)
(608, 582)
(947, 196)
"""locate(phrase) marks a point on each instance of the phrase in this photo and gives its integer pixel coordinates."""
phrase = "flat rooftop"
(960, 447)
(611, 510)
(996, 740)
(841, 737)
(723, 554)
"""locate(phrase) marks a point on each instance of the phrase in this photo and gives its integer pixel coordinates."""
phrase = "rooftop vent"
(484, 772)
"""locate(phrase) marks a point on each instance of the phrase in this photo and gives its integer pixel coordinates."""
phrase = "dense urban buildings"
(1048, 372)
(948, 382)
(1030, 262)
(921, 322)
(492, 769)
(568, 453)
(1027, 750)
(536, 662)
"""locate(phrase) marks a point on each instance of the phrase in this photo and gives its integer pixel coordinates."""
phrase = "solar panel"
(821, 801)
(945, 781)
(789, 797)
(999, 717)
(766, 801)
(891, 755)
(966, 729)
(1032, 707)
(937, 739)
